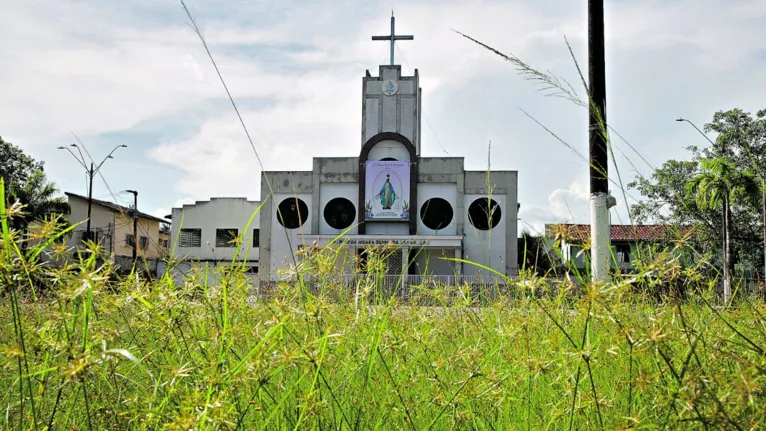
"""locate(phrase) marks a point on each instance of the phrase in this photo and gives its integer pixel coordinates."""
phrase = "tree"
(26, 184)
(538, 255)
(720, 183)
(15, 166)
(38, 195)
(741, 139)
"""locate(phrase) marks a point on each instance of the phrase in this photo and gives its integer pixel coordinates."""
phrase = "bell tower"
(390, 101)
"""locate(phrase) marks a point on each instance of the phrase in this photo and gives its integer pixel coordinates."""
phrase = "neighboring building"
(203, 233)
(164, 240)
(625, 241)
(112, 226)
(428, 207)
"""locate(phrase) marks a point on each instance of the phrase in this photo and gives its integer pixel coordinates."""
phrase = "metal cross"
(392, 38)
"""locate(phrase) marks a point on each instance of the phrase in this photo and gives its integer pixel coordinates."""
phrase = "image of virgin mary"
(387, 194)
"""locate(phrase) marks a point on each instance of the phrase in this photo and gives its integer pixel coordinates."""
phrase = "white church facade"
(429, 209)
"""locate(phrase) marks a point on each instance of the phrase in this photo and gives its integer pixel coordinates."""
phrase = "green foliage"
(16, 167)
(39, 198)
(95, 353)
(27, 185)
(689, 192)
(539, 255)
(721, 181)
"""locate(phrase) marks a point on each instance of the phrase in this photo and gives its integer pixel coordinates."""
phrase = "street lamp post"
(135, 221)
(91, 171)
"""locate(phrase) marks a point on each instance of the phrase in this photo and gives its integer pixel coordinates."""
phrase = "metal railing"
(414, 289)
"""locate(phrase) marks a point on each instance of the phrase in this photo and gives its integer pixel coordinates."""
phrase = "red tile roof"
(579, 232)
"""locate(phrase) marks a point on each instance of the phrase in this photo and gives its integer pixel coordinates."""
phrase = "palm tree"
(38, 196)
(719, 184)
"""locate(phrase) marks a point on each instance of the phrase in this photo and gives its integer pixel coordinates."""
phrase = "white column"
(458, 265)
(600, 235)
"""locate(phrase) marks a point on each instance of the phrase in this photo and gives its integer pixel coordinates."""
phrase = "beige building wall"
(102, 221)
(113, 228)
(145, 228)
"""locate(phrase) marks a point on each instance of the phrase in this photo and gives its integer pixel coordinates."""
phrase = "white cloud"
(93, 69)
(179, 203)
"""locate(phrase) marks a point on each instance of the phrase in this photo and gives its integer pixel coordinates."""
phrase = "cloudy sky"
(133, 72)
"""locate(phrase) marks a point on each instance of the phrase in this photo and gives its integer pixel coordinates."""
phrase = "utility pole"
(135, 222)
(600, 201)
(725, 221)
(90, 200)
(91, 171)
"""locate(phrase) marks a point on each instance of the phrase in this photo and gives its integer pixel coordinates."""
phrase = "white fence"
(423, 289)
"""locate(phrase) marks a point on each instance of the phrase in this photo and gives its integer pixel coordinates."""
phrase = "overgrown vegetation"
(85, 349)
(27, 184)
(90, 353)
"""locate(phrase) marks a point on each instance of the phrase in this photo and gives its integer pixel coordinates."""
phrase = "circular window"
(339, 213)
(484, 213)
(292, 213)
(436, 213)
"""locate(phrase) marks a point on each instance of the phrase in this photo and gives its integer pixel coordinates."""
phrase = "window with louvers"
(225, 237)
(256, 238)
(190, 238)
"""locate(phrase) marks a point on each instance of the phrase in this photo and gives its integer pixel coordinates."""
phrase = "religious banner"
(387, 194)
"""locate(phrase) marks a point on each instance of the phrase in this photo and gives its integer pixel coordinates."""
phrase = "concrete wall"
(144, 228)
(392, 149)
(496, 247)
(342, 172)
(444, 170)
(446, 191)
(186, 270)
(113, 227)
(437, 177)
(432, 262)
(275, 249)
(485, 247)
(329, 191)
(218, 213)
(395, 113)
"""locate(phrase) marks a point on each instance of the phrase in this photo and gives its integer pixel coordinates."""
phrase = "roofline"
(242, 198)
(103, 204)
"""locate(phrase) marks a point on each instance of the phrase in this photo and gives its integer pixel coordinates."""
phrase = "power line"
(404, 60)
(241, 121)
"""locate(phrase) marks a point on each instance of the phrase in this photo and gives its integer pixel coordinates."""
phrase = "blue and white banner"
(387, 194)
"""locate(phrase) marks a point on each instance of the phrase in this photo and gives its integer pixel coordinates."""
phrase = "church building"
(429, 208)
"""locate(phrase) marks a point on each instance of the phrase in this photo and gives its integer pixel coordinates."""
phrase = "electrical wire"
(406, 63)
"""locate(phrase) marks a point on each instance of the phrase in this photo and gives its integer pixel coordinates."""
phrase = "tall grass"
(83, 349)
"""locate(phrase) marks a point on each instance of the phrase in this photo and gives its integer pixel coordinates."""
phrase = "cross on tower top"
(392, 38)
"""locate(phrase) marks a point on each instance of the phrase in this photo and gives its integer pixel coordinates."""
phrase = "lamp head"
(124, 146)
(680, 119)
(61, 148)
(73, 145)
